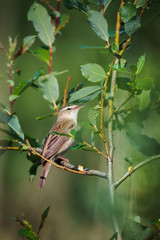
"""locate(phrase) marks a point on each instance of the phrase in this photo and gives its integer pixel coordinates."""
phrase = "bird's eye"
(68, 109)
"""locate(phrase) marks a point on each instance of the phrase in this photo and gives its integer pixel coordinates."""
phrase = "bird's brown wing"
(54, 143)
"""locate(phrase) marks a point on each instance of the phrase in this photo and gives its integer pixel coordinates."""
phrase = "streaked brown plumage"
(57, 144)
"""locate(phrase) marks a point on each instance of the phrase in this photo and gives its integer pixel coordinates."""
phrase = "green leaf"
(63, 20)
(118, 68)
(114, 47)
(137, 117)
(114, 237)
(13, 97)
(135, 231)
(27, 233)
(41, 53)
(61, 134)
(12, 121)
(106, 3)
(144, 83)
(99, 24)
(93, 114)
(45, 213)
(133, 68)
(144, 99)
(27, 43)
(49, 87)
(43, 218)
(23, 85)
(122, 83)
(42, 23)
(132, 26)
(70, 4)
(140, 64)
(146, 145)
(127, 12)
(85, 94)
(140, 3)
(93, 72)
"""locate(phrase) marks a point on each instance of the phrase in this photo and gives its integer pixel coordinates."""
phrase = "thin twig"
(96, 149)
(133, 169)
(65, 91)
(57, 17)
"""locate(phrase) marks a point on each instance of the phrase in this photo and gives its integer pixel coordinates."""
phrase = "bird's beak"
(79, 107)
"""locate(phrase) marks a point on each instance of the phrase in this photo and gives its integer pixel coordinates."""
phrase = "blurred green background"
(79, 204)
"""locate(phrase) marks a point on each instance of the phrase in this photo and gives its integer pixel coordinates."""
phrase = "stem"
(57, 18)
(50, 58)
(111, 150)
(10, 86)
(100, 5)
(111, 111)
(102, 108)
(129, 173)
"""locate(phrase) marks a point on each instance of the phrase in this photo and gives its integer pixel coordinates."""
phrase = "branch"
(111, 111)
(133, 169)
(69, 167)
(102, 108)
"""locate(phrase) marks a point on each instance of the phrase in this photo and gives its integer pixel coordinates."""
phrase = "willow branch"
(111, 111)
(69, 167)
(133, 169)
(104, 90)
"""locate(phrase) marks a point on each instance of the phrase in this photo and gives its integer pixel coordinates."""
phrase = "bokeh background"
(79, 204)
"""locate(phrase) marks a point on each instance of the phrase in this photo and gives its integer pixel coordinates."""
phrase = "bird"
(56, 145)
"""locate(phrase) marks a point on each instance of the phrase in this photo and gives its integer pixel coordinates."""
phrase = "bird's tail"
(44, 173)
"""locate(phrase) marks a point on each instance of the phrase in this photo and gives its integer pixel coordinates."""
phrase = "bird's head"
(69, 112)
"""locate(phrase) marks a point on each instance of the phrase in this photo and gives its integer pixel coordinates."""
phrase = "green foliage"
(93, 72)
(85, 94)
(128, 11)
(42, 23)
(99, 24)
(135, 231)
(132, 25)
(49, 87)
(12, 122)
(27, 230)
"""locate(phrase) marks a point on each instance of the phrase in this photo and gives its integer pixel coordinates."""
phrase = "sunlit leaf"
(127, 11)
(42, 23)
(93, 72)
(49, 87)
(99, 24)
(140, 64)
(85, 94)
(132, 25)
(133, 68)
(106, 3)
